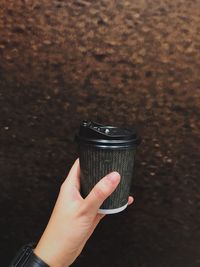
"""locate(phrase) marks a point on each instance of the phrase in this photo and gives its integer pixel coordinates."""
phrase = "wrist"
(48, 256)
(42, 254)
(35, 261)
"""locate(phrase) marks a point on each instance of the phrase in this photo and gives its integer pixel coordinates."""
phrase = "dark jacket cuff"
(35, 261)
(26, 257)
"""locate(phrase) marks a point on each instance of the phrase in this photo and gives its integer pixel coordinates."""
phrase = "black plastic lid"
(107, 136)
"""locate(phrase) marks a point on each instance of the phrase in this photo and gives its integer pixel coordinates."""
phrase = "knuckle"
(63, 187)
(82, 211)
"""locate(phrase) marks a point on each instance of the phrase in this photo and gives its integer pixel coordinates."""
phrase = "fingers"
(73, 177)
(130, 200)
(101, 191)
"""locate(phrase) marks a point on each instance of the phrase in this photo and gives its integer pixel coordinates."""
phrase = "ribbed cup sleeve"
(95, 163)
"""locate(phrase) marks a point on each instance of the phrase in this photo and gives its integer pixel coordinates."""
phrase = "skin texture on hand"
(74, 219)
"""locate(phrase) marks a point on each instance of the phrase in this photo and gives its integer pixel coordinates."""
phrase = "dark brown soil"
(127, 63)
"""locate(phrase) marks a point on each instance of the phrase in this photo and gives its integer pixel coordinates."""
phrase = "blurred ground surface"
(127, 63)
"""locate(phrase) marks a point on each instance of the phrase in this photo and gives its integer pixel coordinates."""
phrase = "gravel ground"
(126, 63)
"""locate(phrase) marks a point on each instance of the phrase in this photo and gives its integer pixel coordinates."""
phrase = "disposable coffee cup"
(103, 149)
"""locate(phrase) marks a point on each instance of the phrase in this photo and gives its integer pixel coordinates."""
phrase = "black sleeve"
(27, 258)
(35, 261)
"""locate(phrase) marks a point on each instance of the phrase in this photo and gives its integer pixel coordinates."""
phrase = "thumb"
(101, 191)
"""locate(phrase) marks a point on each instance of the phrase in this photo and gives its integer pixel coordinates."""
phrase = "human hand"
(74, 219)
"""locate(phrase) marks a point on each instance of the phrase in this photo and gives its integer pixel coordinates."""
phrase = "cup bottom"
(112, 211)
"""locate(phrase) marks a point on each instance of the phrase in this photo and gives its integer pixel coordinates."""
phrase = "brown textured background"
(127, 63)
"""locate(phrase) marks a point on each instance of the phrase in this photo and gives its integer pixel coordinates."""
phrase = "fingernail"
(113, 177)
